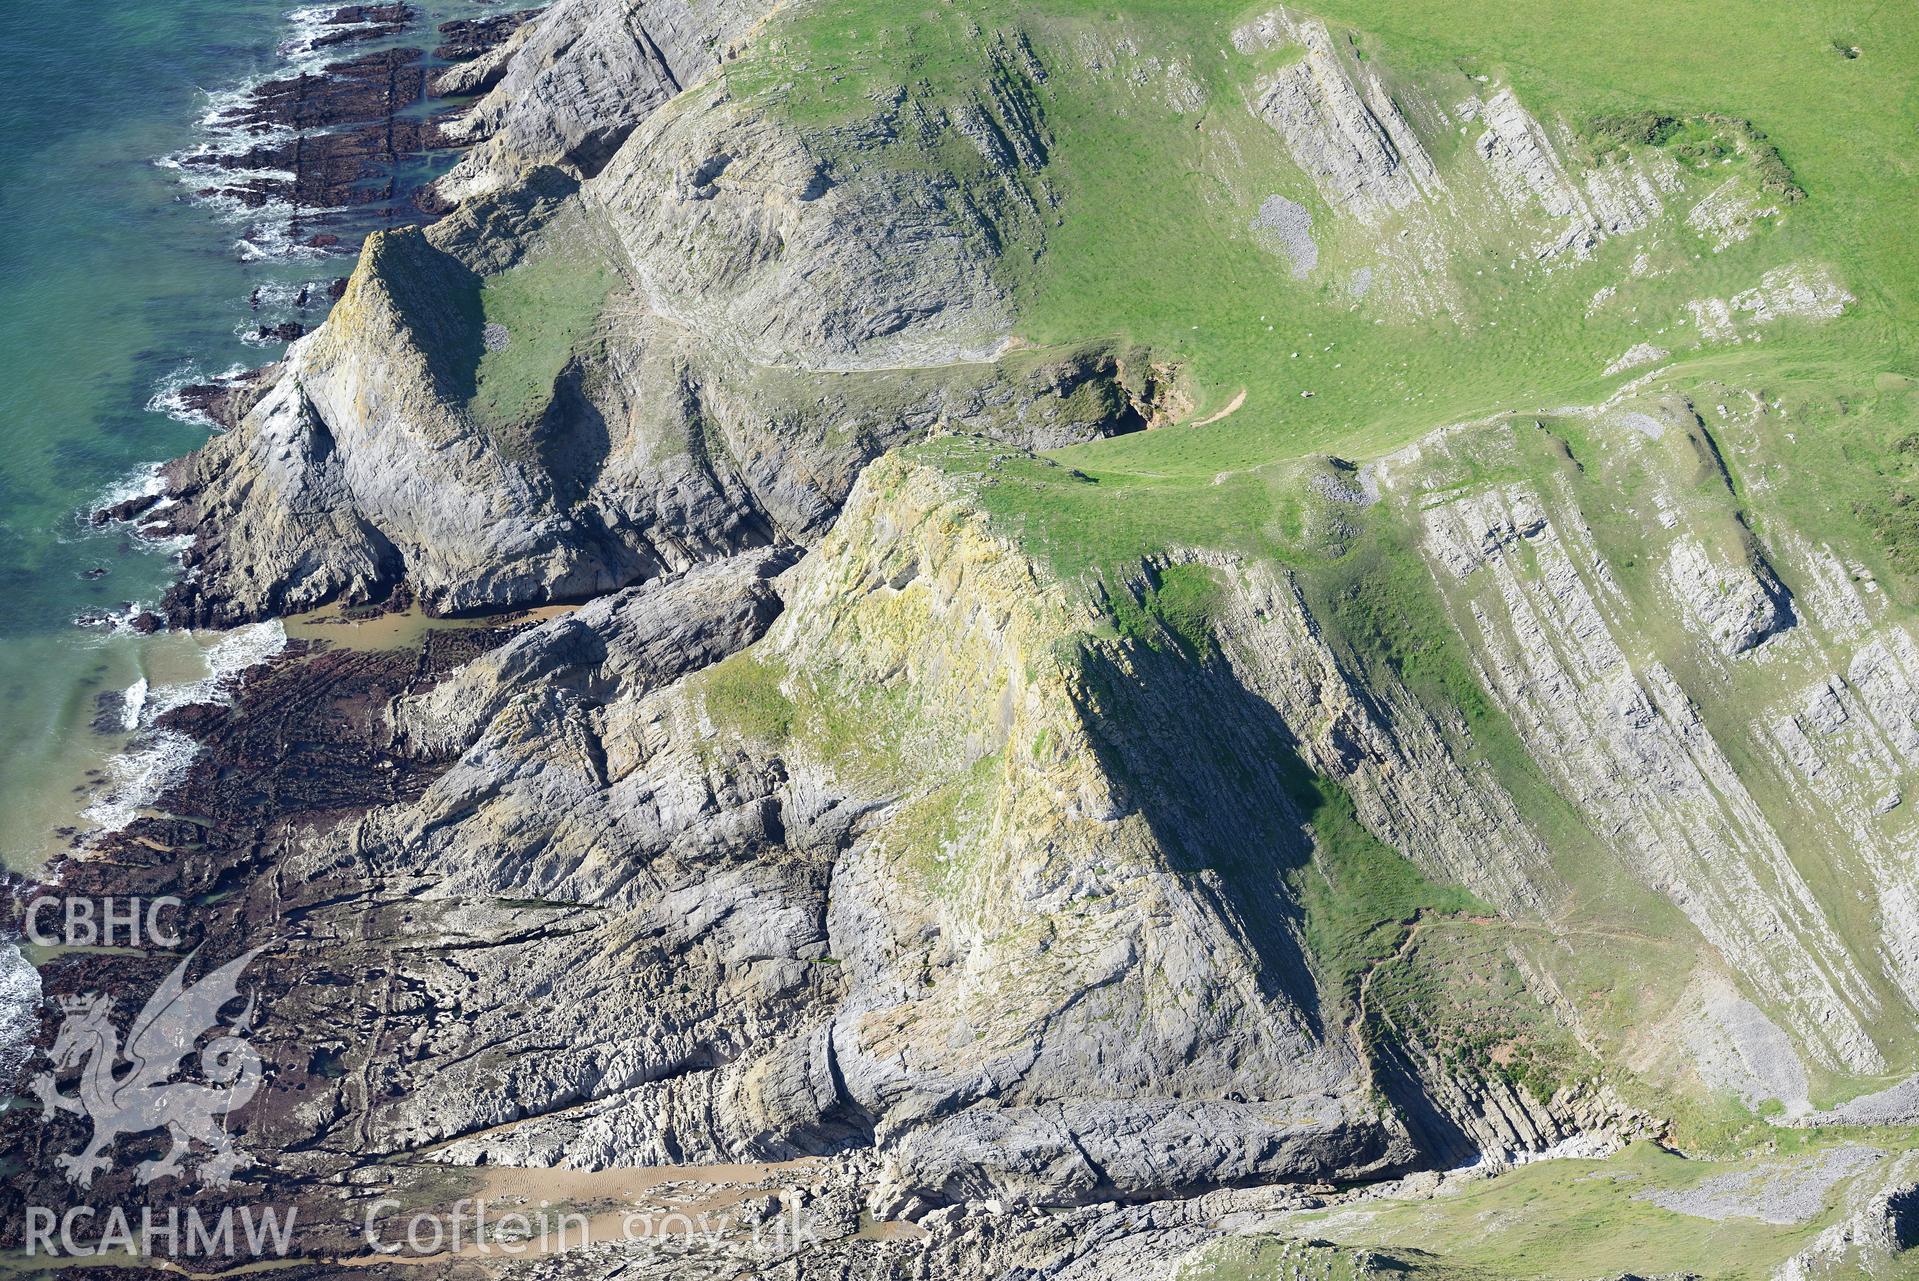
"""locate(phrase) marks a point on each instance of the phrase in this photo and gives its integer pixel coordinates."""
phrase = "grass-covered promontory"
(1785, 140)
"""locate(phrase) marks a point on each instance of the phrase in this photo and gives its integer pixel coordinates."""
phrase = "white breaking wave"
(131, 704)
(19, 1008)
(139, 483)
(270, 238)
(143, 482)
(159, 758)
(138, 777)
(310, 25)
(275, 295)
(237, 651)
(167, 399)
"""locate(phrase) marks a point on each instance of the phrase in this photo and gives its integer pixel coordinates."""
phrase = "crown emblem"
(145, 1096)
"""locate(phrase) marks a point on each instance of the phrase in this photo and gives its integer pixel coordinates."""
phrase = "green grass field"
(1159, 166)
(1569, 1220)
(1152, 245)
(545, 307)
(1156, 167)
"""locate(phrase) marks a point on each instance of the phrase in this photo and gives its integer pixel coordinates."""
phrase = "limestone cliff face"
(1047, 967)
(574, 82)
(837, 822)
(905, 852)
(564, 388)
(873, 880)
(1721, 706)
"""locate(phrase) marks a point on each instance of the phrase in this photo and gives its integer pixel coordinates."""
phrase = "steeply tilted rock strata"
(1385, 749)
(1367, 146)
(565, 388)
(1647, 734)
(1340, 124)
(568, 87)
(1067, 868)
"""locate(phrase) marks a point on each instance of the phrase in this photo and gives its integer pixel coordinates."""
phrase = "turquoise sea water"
(114, 285)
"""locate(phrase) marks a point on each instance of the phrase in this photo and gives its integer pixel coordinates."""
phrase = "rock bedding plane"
(871, 739)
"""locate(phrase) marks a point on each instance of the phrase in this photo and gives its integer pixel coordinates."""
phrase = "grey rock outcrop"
(1386, 750)
(481, 72)
(571, 85)
(1739, 605)
(1630, 746)
(634, 639)
(746, 234)
(1800, 291)
(715, 281)
(1611, 198)
(1876, 1238)
(1339, 123)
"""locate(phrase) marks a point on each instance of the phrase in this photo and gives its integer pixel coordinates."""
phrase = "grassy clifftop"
(1162, 167)
(1430, 263)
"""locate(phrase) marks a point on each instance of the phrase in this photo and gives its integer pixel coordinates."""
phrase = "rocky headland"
(774, 779)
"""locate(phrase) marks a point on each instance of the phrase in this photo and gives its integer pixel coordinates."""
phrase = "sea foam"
(19, 1009)
(159, 758)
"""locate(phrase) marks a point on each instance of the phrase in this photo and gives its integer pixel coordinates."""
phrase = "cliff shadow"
(1214, 771)
(436, 298)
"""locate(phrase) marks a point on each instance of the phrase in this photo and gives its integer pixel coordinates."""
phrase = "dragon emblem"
(143, 1095)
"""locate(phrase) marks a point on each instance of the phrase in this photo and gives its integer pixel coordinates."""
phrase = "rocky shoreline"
(465, 39)
(743, 769)
(331, 144)
(299, 745)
